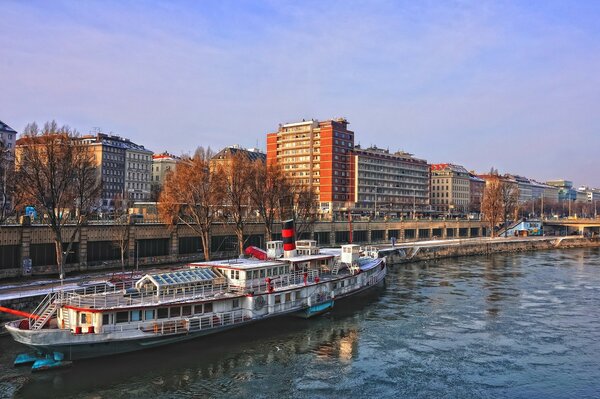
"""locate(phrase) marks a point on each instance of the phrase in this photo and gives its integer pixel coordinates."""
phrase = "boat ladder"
(45, 310)
(66, 319)
(336, 268)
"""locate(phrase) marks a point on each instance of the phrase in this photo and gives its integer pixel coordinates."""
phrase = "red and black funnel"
(287, 234)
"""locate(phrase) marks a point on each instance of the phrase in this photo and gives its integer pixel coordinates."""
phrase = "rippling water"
(516, 326)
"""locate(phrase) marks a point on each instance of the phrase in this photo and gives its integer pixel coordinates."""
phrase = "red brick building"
(317, 154)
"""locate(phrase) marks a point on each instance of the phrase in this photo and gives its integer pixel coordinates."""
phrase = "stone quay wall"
(20, 243)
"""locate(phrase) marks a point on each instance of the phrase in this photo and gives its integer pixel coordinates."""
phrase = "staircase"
(336, 267)
(45, 310)
(66, 319)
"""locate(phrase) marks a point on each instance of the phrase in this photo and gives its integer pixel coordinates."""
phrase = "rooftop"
(5, 128)
(236, 264)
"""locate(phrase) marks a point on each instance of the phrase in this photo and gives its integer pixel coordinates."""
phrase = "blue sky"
(514, 85)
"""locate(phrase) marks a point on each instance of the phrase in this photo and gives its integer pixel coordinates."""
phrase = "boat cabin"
(181, 282)
(307, 247)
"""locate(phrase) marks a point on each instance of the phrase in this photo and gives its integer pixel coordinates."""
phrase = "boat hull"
(315, 310)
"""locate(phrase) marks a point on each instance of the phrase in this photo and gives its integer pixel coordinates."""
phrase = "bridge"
(571, 226)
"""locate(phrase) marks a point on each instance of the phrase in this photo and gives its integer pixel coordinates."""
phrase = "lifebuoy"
(259, 302)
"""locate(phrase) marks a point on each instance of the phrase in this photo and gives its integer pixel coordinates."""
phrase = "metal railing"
(283, 280)
(183, 324)
(119, 298)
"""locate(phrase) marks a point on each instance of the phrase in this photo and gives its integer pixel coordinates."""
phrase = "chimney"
(289, 241)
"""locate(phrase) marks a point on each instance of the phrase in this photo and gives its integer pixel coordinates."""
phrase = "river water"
(511, 325)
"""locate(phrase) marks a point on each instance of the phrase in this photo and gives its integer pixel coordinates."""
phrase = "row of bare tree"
(199, 193)
(57, 174)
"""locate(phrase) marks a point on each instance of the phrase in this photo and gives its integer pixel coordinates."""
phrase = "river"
(521, 325)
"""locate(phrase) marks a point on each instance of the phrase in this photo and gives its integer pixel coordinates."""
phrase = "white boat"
(204, 298)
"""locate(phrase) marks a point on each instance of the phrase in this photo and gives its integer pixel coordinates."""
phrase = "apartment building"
(161, 165)
(390, 183)
(125, 168)
(476, 188)
(450, 188)
(317, 154)
(8, 138)
(138, 172)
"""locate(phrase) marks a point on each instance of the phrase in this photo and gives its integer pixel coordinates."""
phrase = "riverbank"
(27, 296)
(440, 249)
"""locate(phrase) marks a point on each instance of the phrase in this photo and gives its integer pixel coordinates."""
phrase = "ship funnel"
(289, 239)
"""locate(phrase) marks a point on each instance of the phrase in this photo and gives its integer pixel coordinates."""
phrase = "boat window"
(186, 310)
(236, 303)
(136, 315)
(122, 317)
(334, 286)
(149, 314)
(85, 318)
(208, 307)
(105, 319)
(198, 309)
(262, 273)
(288, 297)
(275, 271)
(175, 311)
(281, 270)
(163, 313)
(277, 299)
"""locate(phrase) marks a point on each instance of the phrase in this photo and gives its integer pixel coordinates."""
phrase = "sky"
(509, 85)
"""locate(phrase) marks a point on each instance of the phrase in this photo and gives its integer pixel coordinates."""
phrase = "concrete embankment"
(431, 250)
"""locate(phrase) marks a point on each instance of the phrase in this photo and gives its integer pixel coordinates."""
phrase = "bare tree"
(267, 187)
(122, 226)
(191, 195)
(237, 172)
(509, 193)
(301, 205)
(491, 205)
(56, 173)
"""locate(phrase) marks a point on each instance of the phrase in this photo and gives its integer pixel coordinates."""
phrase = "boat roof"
(237, 264)
(368, 263)
(180, 277)
(305, 258)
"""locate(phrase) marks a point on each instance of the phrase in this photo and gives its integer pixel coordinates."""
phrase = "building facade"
(450, 188)
(566, 192)
(525, 186)
(8, 139)
(138, 172)
(476, 188)
(162, 164)
(222, 157)
(317, 154)
(391, 183)
(125, 168)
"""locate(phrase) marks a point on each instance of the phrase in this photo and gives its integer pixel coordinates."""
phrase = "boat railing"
(121, 298)
(184, 324)
(275, 282)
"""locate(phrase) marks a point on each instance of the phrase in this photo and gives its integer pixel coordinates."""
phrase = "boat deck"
(119, 298)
